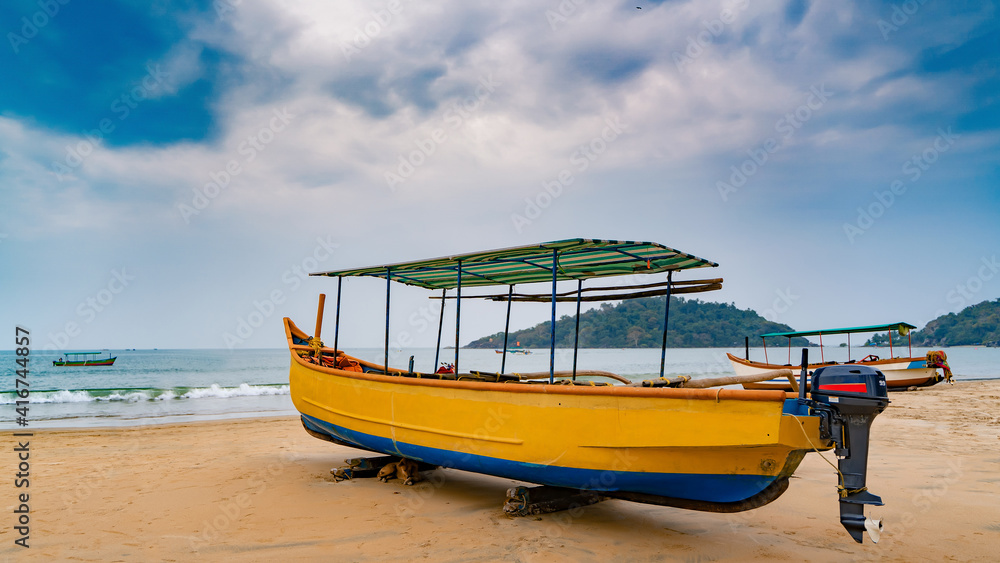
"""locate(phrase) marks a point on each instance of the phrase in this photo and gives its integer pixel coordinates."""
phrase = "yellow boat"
(656, 441)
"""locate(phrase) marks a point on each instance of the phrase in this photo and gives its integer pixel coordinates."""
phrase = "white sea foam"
(244, 390)
(136, 395)
(58, 397)
(128, 397)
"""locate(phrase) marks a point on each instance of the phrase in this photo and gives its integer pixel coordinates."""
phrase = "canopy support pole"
(458, 313)
(506, 331)
(666, 317)
(890, 343)
(388, 284)
(336, 318)
(821, 358)
(576, 338)
(909, 343)
(437, 350)
(764, 342)
(848, 347)
(789, 350)
(803, 374)
(552, 345)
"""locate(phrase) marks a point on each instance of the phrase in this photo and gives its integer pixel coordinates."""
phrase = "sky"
(170, 170)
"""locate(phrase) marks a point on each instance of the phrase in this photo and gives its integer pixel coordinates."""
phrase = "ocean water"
(163, 386)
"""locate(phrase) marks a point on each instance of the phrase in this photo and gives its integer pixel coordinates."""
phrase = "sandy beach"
(261, 489)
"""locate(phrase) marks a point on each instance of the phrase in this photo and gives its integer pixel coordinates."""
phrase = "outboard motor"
(847, 398)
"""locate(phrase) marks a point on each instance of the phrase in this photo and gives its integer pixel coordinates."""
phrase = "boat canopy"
(575, 259)
(903, 329)
(82, 353)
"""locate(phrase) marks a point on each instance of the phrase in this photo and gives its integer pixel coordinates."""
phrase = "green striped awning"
(576, 259)
(902, 328)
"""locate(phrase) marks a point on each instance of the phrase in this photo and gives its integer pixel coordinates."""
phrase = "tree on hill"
(882, 339)
(638, 323)
(976, 325)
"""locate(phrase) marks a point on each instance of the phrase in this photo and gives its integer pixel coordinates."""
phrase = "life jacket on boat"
(342, 362)
(446, 368)
(348, 364)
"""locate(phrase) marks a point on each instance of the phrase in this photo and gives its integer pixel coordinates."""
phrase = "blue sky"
(168, 169)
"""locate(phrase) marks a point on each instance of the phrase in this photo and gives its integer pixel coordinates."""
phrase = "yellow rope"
(841, 489)
(316, 344)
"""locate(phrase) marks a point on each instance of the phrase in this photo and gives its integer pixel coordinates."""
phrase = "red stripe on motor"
(859, 387)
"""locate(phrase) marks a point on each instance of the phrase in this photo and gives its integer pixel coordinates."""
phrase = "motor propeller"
(874, 529)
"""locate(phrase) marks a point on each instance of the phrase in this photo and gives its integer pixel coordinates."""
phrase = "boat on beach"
(76, 359)
(901, 372)
(669, 441)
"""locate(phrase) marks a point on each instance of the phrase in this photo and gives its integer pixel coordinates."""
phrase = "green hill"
(638, 323)
(977, 325)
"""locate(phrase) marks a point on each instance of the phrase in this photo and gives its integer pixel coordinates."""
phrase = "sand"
(261, 489)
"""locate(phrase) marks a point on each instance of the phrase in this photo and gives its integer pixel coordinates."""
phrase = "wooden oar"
(692, 384)
(590, 373)
(737, 379)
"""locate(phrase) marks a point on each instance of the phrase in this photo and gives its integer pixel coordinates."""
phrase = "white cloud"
(555, 89)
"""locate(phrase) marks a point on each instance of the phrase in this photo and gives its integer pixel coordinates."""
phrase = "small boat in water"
(75, 359)
(521, 351)
(665, 441)
(900, 372)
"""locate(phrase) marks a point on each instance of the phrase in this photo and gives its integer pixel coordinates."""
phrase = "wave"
(136, 395)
